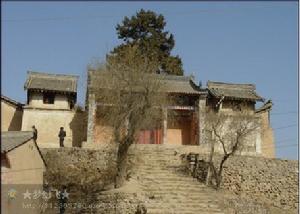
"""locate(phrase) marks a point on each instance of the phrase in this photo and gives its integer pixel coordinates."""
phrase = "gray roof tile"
(233, 91)
(11, 101)
(13, 139)
(170, 83)
(51, 82)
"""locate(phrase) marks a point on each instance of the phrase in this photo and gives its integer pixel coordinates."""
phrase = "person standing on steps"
(35, 133)
(61, 135)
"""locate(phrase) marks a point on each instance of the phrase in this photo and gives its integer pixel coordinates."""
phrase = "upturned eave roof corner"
(267, 106)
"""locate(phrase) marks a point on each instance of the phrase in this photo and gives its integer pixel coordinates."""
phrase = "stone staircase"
(168, 188)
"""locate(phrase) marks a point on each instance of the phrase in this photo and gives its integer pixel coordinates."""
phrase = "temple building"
(182, 129)
(187, 127)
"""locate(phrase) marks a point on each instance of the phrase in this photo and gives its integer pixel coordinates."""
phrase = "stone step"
(144, 153)
(183, 211)
(174, 189)
(170, 194)
(176, 184)
(177, 192)
(161, 175)
(157, 166)
(159, 162)
(157, 155)
(165, 178)
(171, 207)
(185, 205)
(182, 206)
(182, 202)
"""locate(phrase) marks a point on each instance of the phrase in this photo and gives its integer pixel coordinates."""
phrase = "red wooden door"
(151, 136)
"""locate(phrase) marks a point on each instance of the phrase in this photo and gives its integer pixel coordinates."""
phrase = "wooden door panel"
(153, 136)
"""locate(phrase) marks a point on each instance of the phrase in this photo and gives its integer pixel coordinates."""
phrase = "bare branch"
(231, 131)
(130, 96)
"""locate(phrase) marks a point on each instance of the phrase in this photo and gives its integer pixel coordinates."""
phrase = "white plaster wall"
(267, 136)
(26, 166)
(48, 123)
(258, 142)
(60, 101)
(11, 119)
(249, 146)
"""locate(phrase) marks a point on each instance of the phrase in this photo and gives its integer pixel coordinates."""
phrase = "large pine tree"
(146, 31)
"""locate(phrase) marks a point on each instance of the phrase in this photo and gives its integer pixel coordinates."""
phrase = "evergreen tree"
(146, 31)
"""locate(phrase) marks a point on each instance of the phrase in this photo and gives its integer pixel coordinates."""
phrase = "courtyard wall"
(49, 121)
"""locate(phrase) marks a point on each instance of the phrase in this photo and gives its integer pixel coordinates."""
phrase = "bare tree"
(131, 98)
(231, 134)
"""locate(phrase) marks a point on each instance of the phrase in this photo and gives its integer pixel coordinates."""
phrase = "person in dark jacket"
(61, 135)
(35, 133)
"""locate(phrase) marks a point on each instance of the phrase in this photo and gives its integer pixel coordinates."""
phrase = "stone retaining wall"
(272, 180)
(88, 173)
(89, 169)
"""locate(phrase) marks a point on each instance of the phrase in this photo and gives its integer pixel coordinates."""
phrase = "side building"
(22, 168)
(232, 98)
(51, 100)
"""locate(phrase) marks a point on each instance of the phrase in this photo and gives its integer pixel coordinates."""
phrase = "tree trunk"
(219, 179)
(210, 161)
(122, 164)
(219, 176)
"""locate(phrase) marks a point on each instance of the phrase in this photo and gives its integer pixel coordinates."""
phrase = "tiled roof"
(180, 84)
(13, 139)
(170, 83)
(51, 82)
(233, 91)
(11, 101)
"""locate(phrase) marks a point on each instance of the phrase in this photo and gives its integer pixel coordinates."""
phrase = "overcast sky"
(241, 42)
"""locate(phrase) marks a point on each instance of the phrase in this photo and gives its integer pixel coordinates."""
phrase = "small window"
(237, 106)
(48, 98)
